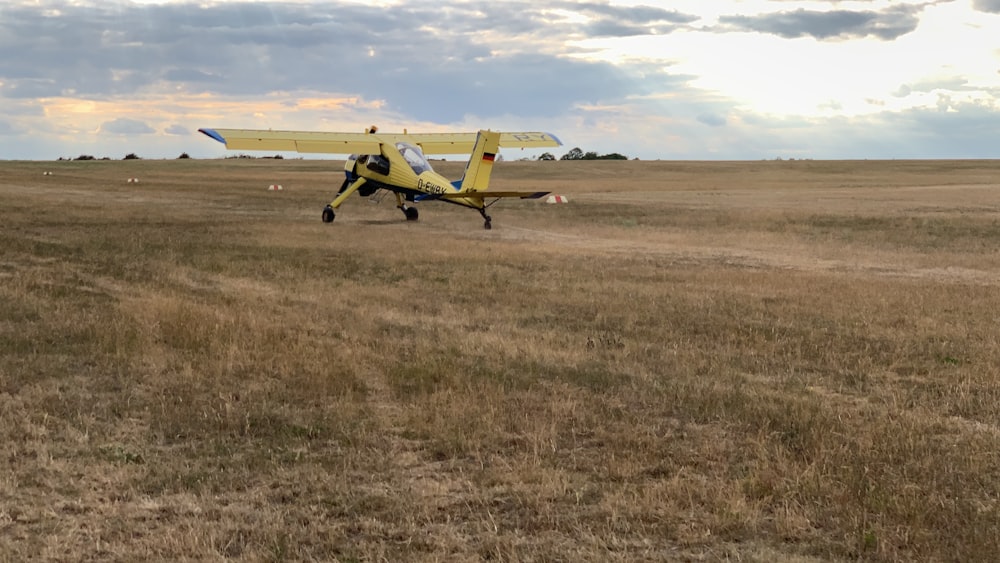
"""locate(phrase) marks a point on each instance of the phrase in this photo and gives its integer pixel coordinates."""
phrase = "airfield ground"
(754, 361)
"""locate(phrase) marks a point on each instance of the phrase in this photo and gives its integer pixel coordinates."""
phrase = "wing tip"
(213, 134)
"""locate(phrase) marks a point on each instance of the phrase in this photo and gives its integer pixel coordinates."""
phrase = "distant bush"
(183, 155)
(277, 156)
(577, 154)
(84, 157)
(573, 154)
(131, 156)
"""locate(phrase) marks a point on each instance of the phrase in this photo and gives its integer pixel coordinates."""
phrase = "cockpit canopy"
(414, 157)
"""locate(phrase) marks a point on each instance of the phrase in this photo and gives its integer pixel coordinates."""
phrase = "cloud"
(712, 120)
(143, 76)
(951, 130)
(885, 25)
(27, 88)
(624, 21)
(125, 126)
(991, 6)
(952, 84)
(191, 75)
(431, 64)
(631, 14)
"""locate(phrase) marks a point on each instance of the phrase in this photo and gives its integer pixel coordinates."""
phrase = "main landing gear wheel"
(328, 214)
(488, 221)
(411, 213)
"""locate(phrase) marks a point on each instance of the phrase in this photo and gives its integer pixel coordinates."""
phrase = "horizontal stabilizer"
(487, 195)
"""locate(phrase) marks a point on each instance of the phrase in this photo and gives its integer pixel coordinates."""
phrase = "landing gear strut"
(488, 221)
(346, 190)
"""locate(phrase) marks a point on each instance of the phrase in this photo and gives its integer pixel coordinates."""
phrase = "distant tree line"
(184, 155)
(578, 154)
(129, 156)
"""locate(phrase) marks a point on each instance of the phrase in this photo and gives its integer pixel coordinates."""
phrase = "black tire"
(328, 214)
(411, 213)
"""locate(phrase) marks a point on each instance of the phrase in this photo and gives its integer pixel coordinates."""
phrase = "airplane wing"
(364, 143)
(295, 141)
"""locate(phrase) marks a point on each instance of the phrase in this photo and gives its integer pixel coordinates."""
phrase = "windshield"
(414, 157)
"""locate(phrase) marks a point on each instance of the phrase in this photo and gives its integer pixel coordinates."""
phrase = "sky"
(684, 79)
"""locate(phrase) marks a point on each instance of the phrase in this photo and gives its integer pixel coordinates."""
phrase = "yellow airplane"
(396, 162)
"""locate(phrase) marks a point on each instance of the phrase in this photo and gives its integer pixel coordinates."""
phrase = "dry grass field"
(746, 361)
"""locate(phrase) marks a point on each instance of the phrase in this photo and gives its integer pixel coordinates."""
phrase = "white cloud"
(125, 126)
(176, 129)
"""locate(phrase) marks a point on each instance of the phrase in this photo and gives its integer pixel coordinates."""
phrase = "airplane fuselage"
(410, 174)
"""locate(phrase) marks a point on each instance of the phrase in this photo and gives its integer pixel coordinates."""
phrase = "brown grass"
(758, 361)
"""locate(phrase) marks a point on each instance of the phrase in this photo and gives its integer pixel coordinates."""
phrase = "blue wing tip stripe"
(556, 139)
(211, 133)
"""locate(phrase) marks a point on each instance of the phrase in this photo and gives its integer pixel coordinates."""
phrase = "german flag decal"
(489, 156)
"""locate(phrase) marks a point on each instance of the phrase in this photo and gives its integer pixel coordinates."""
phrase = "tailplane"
(480, 166)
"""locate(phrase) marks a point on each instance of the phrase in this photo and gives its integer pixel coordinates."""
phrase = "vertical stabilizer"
(477, 171)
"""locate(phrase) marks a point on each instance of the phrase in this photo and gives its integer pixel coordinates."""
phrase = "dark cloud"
(414, 57)
(952, 130)
(529, 85)
(623, 21)
(610, 28)
(991, 6)
(712, 119)
(887, 25)
(631, 14)
(26, 88)
(190, 75)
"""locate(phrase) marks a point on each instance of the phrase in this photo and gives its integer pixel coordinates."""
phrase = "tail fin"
(480, 166)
